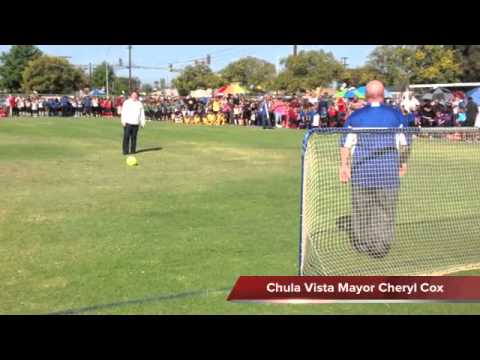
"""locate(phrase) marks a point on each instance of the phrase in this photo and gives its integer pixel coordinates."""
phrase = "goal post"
(411, 205)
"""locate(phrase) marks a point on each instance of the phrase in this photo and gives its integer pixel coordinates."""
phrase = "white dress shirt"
(133, 113)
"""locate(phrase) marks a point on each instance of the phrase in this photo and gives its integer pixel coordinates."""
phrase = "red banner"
(311, 289)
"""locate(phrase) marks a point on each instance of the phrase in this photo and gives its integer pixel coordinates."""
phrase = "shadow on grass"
(146, 300)
(158, 148)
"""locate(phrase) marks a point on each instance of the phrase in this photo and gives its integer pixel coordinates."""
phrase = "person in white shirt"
(35, 107)
(133, 116)
(410, 102)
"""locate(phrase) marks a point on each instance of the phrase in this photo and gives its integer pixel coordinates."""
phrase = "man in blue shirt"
(378, 159)
(87, 106)
(264, 113)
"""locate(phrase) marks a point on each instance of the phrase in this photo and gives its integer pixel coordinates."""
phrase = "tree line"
(26, 68)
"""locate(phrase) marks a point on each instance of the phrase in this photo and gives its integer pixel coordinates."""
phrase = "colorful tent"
(475, 95)
(234, 89)
(358, 92)
(201, 93)
(97, 92)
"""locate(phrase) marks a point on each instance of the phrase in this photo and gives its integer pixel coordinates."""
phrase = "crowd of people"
(307, 112)
(85, 106)
(458, 110)
(268, 111)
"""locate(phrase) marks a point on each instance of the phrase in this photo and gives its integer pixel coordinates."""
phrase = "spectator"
(87, 106)
(11, 105)
(20, 105)
(341, 111)
(96, 111)
(35, 104)
(332, 115)
(118, 105)
(471, 112)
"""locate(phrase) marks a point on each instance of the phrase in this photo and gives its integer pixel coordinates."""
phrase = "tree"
(308, 70)
(198, 76)
(120, 84)
(146, 88)
(163, 83)
(435, 63)
(394, 63)
(13, 63)
(250, 71)
(401, 64)
(99, 75)
(468, 56)
(361, 75)
(50, 74)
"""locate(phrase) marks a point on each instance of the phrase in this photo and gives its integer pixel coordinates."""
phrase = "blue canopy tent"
(97, 92)
(475, 95)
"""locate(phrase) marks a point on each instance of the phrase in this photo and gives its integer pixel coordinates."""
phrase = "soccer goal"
(411, 205)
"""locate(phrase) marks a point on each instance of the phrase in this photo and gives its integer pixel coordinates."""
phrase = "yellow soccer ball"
(132, 161)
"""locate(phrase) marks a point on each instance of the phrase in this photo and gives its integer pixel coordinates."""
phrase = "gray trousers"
(373, 220)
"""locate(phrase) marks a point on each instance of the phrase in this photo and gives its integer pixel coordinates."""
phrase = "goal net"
(425, 221)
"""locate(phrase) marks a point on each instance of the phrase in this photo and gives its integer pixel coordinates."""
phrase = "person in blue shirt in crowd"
(302, 117)
(310, 114)
(323, 109)
(378, 160)
(264, 114)
(87, 106)
(52, 107)
(65, 106)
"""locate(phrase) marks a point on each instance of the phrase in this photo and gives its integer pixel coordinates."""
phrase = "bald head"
(375, 91)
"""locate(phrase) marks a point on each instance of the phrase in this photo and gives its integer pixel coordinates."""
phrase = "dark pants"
(373, 220)
(130, 139)
(265, 121)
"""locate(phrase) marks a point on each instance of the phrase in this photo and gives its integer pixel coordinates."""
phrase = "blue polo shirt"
(375, 159)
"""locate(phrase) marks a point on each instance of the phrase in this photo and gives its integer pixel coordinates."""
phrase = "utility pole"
(295, 50)
(90, 75)
(344, 61)
(106, 76)
(130, 67)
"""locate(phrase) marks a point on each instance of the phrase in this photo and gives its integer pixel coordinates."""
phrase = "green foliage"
(146, 88)
(99, 75)
(13, 63)
(308, 70)
(400, 65)
(361, 75)
(194, 77)
(435, 63)
(50, 74)
(250, 72)
(468, 56)
(394, 63)
(120, 84)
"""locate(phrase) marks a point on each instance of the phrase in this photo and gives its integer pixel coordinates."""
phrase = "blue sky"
(182, 55)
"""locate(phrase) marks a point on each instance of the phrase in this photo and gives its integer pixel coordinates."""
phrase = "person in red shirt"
(107, 107)
(11, 104)
(118, 105)
(332, 115)
(341, 111)
(292, 122)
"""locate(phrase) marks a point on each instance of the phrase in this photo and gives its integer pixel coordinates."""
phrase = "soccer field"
(80, 232)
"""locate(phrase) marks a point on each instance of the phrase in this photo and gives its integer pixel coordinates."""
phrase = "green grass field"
(79, 230)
